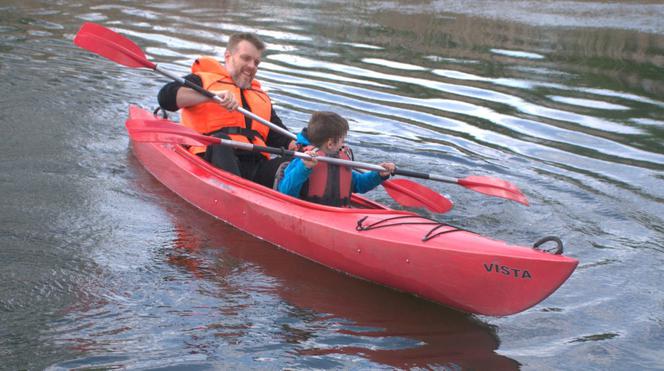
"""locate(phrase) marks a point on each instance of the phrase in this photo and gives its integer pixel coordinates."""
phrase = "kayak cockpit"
(357, 201)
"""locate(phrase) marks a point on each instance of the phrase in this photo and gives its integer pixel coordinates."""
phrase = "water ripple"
(106, 268)
(517, 54)
(523, 126)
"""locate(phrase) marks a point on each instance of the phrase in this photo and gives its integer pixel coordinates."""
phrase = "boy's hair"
(244, 36)
(326, 125)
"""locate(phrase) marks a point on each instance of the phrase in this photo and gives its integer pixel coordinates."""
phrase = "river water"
(103, 268)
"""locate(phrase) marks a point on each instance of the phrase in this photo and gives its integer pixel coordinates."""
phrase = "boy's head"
(326, 126)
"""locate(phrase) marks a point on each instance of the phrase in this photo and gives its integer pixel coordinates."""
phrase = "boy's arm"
(364, 182)
(294, 177)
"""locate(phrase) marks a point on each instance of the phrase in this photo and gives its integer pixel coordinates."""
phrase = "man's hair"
(244, 36)
(326, 125)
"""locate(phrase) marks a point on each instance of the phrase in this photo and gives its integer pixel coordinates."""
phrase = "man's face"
(242, 63)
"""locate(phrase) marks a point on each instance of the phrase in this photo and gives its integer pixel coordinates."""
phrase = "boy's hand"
(310, 163)
(390, 169)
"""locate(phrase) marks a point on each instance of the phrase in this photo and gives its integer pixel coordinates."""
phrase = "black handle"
(414, 174)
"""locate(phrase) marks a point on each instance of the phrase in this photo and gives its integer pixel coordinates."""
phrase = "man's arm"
(172, 96)
(274, 138)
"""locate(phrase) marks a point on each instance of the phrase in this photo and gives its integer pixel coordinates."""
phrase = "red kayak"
(397, 249)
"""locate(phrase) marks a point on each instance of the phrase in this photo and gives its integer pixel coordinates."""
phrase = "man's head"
(242, 56)
(327, 130)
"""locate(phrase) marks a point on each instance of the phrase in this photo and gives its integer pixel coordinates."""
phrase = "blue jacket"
(296, 174)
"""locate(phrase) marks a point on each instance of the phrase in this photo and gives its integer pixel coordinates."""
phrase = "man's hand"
(227, 100)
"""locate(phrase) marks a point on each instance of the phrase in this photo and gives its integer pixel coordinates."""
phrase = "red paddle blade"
(491, 186)
(408, 193)
(164, 131)
(100, 40)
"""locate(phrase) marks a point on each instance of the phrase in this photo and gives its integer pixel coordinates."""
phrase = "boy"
(322, 182)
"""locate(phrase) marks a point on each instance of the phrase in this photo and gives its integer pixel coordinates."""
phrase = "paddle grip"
(414, 174)
(273, 150)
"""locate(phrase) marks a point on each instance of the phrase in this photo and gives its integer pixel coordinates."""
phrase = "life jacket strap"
(249, 133)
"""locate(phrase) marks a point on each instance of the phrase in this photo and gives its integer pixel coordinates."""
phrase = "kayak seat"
(279, 174)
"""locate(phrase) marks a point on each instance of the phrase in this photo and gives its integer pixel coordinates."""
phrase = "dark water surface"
(102, 267)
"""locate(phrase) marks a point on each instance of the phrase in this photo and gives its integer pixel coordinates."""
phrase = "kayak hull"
(457, 268)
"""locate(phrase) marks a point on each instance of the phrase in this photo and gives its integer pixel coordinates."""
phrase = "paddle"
(142, 130)
(166, 131)
(109, 44)
(118, 48)
(487, 185)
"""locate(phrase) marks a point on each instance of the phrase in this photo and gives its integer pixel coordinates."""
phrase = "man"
(234, 83)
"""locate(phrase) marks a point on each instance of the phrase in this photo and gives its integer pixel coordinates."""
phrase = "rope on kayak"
(541, 241)
(401, 220)
(432, 235)
(417, 220)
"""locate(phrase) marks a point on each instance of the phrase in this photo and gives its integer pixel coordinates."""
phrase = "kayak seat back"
(279, 174)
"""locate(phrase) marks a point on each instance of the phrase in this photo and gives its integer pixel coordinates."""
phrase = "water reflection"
(200, 293)
(334, 314)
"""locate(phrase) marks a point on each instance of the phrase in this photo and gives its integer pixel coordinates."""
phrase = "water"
(102, 267)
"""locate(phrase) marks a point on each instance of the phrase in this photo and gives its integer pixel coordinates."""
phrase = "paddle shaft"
(253, 116)
(216, 98)
(356, 164)
(286, 152)
(417, 174)
(336, 161)
(278, 151)
(210, 95)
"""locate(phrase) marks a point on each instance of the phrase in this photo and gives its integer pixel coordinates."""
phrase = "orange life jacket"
(209, 117)
(329, 184)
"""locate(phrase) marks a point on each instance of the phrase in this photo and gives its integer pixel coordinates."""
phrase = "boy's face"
(332, 146)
